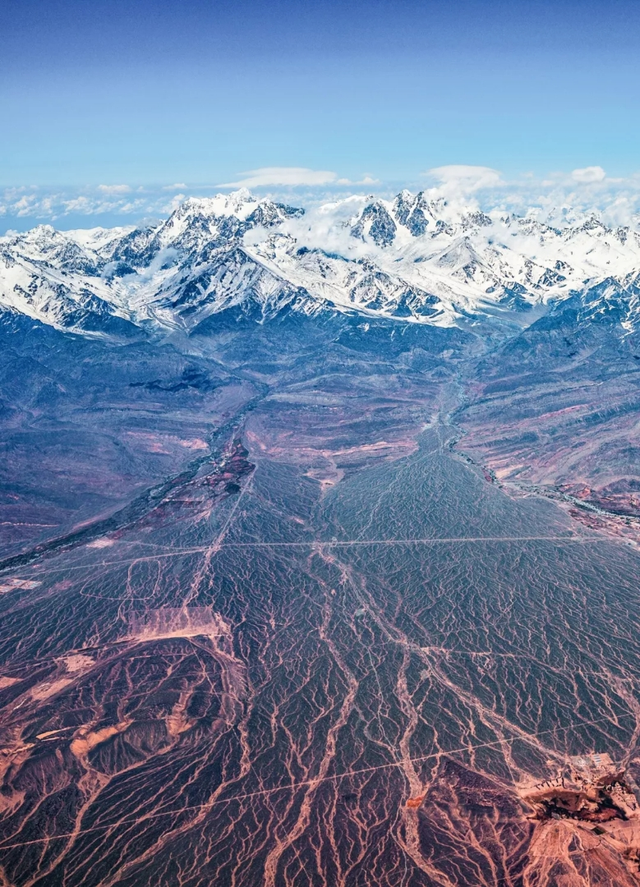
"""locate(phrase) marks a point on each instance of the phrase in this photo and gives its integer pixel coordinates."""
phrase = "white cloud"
(283, 175)
(589, 174)
(114, 189)
(179, 186)
(25, 205)
(458, 183)
(365, 180)
(466, 178)
(174, 203)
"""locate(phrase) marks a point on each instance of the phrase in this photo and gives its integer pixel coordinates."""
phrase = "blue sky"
(196, 93)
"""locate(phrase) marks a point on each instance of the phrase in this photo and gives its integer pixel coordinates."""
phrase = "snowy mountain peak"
(224, 217)
(375, 223)
(237, 203)
(415, 212)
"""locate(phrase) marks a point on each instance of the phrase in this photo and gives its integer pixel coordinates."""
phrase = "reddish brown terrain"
(332, 621)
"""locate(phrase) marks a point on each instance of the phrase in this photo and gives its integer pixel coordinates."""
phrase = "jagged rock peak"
(375, 222)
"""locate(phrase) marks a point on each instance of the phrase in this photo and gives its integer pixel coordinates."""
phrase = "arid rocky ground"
(306, 604)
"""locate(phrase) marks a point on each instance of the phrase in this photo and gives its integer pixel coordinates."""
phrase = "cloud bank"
(465, 179)
(589, 174)
(561, 197)
(292, 177)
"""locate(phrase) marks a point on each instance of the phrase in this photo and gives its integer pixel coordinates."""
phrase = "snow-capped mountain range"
(409, 259)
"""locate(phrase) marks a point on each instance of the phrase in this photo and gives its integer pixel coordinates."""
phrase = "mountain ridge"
(410, 259)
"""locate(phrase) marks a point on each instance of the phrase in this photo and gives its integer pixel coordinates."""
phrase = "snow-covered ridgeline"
(411, 258)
